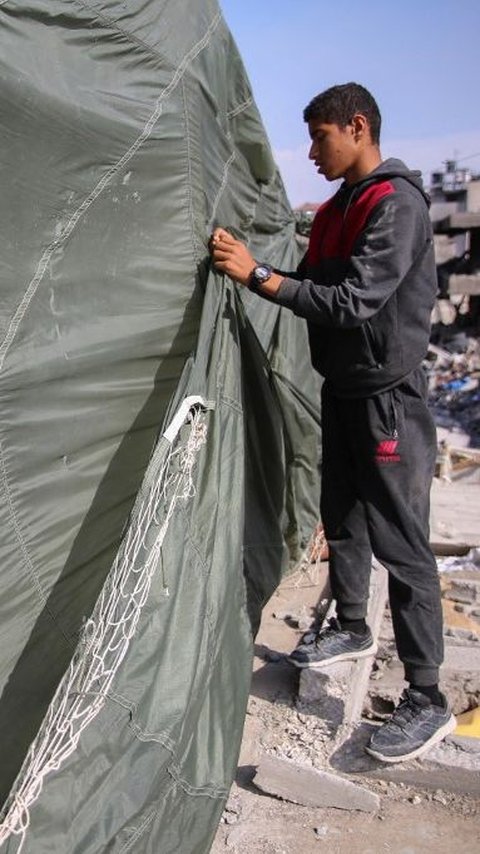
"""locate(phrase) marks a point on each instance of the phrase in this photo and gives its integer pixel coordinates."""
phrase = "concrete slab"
(309, 787)
(465, 742)
(447, 766)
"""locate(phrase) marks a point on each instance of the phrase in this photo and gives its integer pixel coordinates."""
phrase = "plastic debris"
(470, 561)
(468, 723)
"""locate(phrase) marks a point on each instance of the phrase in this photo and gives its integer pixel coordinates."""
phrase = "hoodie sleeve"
(395, 237)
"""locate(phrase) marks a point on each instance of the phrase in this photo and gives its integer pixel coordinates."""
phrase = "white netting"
(107, 634)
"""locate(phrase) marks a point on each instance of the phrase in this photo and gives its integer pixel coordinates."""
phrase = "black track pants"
(377, 467)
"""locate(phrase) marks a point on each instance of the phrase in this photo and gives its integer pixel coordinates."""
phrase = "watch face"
(263, 272)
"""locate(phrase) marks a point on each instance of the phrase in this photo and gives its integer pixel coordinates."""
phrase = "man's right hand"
(231, 256)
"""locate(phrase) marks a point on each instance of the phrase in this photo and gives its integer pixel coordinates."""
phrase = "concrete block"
(450, 754)
(328, 689)
(339, 689)
(301, 784)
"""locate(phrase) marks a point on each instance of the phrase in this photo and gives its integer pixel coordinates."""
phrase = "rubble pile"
(453, 379)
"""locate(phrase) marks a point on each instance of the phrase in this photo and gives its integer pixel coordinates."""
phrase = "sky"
(420, 60)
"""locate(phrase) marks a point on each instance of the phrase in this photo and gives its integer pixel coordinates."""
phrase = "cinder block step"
(339, 689)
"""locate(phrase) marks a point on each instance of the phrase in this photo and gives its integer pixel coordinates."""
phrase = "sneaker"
(332, 644)
(415, 726)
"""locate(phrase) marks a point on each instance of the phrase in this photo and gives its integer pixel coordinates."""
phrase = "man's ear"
(360, 127)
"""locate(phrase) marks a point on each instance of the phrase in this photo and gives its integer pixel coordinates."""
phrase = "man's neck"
(369, 160)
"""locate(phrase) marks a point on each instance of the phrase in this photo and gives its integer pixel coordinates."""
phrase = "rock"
(462, 634)
(272, 656)
(299, 619)
(321, 832)
(282, 615)
(415, 800)
(301, 784)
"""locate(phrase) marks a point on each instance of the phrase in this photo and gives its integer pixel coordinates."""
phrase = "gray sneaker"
(415, 726)
(332, 644)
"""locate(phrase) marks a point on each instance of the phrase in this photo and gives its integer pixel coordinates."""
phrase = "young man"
(366, 287)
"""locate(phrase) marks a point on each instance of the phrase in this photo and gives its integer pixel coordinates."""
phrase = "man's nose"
(312, 152)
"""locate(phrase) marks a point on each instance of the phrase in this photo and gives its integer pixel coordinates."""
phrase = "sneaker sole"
(437, 736)
(342, 656)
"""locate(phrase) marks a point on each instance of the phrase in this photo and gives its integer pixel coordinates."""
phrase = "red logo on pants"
(386, 451)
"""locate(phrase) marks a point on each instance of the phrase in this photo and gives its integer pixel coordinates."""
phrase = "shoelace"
(333, 628)
(313, 637)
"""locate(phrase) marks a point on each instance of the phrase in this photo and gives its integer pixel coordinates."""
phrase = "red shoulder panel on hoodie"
(334, 231)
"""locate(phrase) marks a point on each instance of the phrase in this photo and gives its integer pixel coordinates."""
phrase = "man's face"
(334, 149)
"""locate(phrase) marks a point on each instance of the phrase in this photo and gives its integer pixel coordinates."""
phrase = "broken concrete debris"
(469, 562)
(301, 784)
(454, 394)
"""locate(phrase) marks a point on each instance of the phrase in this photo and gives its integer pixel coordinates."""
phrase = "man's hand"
(231, 256)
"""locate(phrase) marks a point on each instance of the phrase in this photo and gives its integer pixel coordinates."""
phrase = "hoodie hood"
(391, 168)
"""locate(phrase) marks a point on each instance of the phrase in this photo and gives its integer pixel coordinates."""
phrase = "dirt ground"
(429, 810)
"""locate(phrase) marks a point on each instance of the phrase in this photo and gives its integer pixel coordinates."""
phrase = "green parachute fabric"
(158, 424)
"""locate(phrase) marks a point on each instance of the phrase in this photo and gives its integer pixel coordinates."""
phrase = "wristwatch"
(260, 274)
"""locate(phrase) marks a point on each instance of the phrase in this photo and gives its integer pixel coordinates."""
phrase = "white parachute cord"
(107, 633)
(310, 560)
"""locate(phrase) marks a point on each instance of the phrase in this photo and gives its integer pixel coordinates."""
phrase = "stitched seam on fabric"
(223, 184)
(140, 734)
(232, 404)
(229, 162)
(145, 736)
(164, 740)
(17, 528)
(115, 24)
(98, 189)
(122, 701)
(241, 107)
(24, 548)
(254, 215)
(210, 789)
(140, 830)
(196, 249)
(204, 564)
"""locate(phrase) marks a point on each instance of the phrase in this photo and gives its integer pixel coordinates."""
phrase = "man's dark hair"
(339, 104)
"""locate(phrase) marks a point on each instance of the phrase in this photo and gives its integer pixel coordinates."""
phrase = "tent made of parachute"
(158, 425)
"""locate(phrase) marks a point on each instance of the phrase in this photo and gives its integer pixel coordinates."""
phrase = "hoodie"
(367, 283)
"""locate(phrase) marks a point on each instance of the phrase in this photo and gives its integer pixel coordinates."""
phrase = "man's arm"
(394, 238)
(232, 257)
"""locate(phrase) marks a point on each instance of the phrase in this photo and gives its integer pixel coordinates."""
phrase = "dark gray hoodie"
(367, 283)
